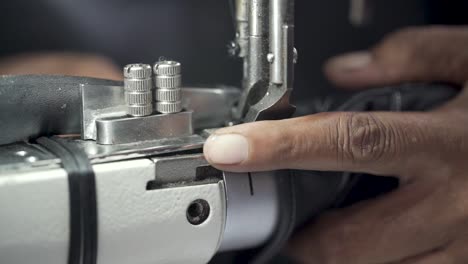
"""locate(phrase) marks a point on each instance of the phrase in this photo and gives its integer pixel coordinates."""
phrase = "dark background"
(196, 32)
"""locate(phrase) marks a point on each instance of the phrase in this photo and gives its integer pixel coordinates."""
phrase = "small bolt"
(233, 49)
(295, 55)
(198, 211)
(270, 57)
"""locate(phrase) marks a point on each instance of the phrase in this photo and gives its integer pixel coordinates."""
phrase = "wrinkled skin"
(424, 221)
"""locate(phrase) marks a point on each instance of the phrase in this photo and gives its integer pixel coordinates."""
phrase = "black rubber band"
(83, 204)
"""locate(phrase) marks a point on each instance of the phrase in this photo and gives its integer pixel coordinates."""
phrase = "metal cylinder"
(167, 80)
(138, 89)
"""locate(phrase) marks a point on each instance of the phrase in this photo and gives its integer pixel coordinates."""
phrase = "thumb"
(415, 54)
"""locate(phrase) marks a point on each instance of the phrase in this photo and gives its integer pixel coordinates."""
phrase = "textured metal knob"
(168, 107)
(138, 89)
(167, 81)
(165, 68)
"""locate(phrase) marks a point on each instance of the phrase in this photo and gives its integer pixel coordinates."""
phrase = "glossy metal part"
(180, 168)
(54, 105)
(98, 153)
(250, 220)
(37, 105)
(168, 80)
(100, 102)
(269, 64)
(23, 156)
(256, 67)
(123, 130)
(169, 107)
(138, 89)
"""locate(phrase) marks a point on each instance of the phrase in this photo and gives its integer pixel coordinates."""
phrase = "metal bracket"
(123, 130)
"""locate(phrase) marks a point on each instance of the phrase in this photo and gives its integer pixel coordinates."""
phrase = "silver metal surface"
(167, 68)
(169, 107)
(137, 71)
(256, 66)
(272, 98)
(25, 157)
(100, 102)
(108, 101)
(269, 64)
(178, 168)
(138, 89)
(277, 19)
(107, 153)
(123, 130)
(37, 105)
(168, 80)
(252, 209)
(242, 27)
(166, 95)
(139, 110)
(202, 101)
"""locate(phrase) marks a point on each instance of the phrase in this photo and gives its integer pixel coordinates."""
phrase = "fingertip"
(349, 62)
(357, 70)
(226, 149)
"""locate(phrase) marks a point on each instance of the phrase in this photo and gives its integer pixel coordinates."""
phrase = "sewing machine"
(99, 171)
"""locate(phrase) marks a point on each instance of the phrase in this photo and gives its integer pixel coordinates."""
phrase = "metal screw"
(138, 89)
(270, 57)
(167, 80)
(198, 211)
(295, 55)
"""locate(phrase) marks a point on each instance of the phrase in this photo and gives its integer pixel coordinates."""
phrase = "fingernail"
(227, 149)
(351, 61)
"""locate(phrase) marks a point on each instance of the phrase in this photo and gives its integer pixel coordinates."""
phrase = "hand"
(426, 219)
(73, 64)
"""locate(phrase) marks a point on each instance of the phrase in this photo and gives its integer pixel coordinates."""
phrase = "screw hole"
(198, 211)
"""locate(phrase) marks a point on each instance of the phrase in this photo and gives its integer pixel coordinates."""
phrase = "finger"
(61, 63)
(379, 143)
(414, 54)
(453, 253)
(385, 230)
(437, 257)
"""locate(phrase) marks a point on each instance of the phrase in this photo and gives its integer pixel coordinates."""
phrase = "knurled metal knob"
(167, 68)
(138, 98)
(138, 89)
(139, 110)
(137, 71)
(167, 95)
(167, 80)
(169, 107)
